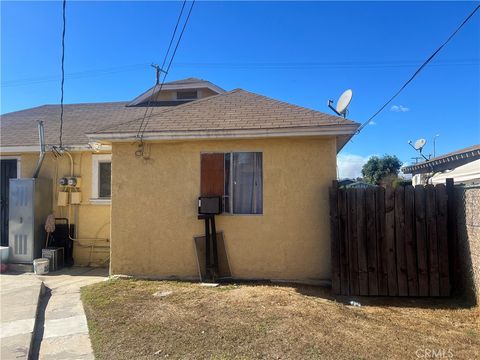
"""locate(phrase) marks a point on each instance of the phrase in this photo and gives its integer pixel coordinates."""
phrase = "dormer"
(177, 92)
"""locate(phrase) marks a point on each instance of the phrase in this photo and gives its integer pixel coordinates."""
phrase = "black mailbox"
(210, 205)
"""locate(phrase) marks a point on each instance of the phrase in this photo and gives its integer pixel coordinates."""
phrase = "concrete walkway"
(60, 327)
(19, 294)
(64, 332)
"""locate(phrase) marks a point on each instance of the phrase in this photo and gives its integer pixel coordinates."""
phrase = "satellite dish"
(419, 144)
(342, 104)
(344, 101)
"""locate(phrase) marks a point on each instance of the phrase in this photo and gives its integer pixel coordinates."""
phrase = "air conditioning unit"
(210, 205)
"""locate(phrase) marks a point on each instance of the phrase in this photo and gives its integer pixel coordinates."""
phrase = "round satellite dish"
(344, 101)
(420, 143)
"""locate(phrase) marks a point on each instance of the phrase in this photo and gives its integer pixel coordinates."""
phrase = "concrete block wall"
(467, 200)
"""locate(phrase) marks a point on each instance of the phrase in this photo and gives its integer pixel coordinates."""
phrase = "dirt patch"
(270, 321)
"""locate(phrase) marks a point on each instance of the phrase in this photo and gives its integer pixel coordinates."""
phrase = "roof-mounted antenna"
(418, 146)
(343, 102)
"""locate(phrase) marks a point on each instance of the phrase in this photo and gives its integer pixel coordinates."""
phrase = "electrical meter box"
(30, 202)
(62, 198)
(75, 197)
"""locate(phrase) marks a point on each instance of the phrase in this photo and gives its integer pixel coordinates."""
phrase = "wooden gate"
(392, 242)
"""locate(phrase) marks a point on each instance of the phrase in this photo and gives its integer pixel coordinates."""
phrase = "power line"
(425, 63)
(238, 66)
(63, 74)
(163, 64)
(74, 75)
(144, 124)
(167, 70)
(318, 65)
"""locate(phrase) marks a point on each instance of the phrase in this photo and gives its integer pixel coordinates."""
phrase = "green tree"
(377, 169)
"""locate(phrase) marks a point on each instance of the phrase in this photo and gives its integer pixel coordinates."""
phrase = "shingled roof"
(20, 128)
(233, 114)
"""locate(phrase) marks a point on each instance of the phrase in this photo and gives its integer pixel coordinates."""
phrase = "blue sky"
(303, 52)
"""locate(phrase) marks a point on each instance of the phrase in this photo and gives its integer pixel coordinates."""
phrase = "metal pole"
(434, 138)
(214, 243)
(207, 246)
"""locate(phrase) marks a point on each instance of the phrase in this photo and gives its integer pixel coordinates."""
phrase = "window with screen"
(104, 179)
(187, 95)
(237, 177)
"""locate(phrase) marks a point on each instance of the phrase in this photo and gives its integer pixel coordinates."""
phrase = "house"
(345, 182)
(355, 184)
(272, 163)
(462, 165)
(359, 185)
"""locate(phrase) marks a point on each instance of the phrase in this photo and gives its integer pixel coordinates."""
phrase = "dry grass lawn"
(254, 321)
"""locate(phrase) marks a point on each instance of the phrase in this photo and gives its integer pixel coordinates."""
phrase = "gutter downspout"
(41, 156)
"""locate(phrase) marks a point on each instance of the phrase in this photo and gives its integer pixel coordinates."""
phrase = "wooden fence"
(392, 242)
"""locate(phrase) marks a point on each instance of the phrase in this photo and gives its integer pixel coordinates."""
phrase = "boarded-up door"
(212, 175)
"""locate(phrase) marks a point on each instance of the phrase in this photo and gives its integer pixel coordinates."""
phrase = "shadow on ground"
(325, 292)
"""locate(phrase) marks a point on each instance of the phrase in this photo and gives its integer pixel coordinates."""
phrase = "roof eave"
(339, 131)
(443, 163)
(15, 149)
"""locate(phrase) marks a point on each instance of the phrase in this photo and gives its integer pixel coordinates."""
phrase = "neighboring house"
(352, 183)
(271, 161)
(345, 182)
(359, 185)
(462, 165)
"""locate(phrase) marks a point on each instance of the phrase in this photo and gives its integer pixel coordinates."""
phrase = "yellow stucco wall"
(92, 220)
(154, 210)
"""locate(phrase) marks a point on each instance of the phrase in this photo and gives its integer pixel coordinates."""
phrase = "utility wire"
(161, 68)
(63, 74)
(169, 65)
(238, 66)
(418, 71)
(144, 124)
(74, 75)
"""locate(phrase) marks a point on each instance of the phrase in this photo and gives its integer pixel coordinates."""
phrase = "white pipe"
(41, 156)
(71, 162)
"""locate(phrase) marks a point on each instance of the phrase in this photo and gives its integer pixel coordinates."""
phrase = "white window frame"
(19, 162)
(97, 159)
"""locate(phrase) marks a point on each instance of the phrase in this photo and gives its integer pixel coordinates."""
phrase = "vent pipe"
(41, 155)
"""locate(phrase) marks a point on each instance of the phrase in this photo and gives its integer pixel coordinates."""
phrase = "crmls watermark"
(430, 353)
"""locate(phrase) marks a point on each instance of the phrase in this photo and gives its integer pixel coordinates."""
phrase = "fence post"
(362, 242)
(335, 249)
(390, 239)
(400, 241)
(452, 237)
(442, 235)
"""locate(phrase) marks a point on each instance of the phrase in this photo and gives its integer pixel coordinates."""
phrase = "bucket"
(40, 266)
